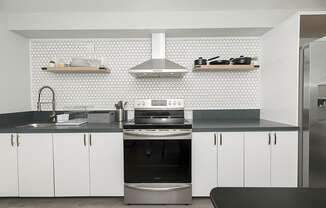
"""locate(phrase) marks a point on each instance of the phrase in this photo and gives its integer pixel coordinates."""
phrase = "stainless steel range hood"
(158, 66)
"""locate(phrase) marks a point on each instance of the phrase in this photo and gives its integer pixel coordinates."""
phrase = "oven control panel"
(155, 104)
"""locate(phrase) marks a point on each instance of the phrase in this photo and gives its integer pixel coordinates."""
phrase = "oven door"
(157, 156)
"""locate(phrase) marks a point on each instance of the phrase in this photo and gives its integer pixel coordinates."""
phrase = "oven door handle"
(143, 187)
(157, 134)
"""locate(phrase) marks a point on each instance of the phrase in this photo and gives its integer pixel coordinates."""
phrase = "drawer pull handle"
(17, 140)
(269, 139)
(84, 139)
(12, 140)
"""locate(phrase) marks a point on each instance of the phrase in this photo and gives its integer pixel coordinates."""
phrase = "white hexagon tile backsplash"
(201, 90)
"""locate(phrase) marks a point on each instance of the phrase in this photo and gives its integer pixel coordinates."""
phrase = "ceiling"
(157, 5)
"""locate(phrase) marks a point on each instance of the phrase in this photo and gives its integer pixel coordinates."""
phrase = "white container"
(62, 118)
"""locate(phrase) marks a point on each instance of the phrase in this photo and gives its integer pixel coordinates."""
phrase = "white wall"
(146, 20)
(14, 70)
(151, 14)
(280, 72)
(200, 90)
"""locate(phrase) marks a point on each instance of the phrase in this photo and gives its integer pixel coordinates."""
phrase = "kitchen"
(186, 126)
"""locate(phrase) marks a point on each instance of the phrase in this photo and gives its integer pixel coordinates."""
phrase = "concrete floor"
(88, 203)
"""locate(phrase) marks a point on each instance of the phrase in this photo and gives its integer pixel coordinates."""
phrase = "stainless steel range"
(157, 154)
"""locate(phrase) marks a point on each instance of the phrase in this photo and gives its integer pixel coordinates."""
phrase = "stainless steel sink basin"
(37, 125)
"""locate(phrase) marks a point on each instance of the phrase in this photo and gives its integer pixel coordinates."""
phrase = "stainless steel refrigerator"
(312, 114)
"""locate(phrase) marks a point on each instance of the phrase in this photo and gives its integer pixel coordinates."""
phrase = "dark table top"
(268, 197)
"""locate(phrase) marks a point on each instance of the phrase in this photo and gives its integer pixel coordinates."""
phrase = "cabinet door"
(106, 164)
(8, 163)
(257, 159)
(284, 166)
(204, 163)
(35, 165)
(230, 159)
(71, 164)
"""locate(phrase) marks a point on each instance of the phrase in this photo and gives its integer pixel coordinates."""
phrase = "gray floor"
(88, 203)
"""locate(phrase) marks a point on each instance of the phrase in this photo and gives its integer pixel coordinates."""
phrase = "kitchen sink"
(37, 125)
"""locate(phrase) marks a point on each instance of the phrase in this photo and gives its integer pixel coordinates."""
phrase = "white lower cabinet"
(284, 159)
(35, 165)
(238, 159)
(106, 164)
(271, 159)
(8, 163)
(88, 164)
(230, 159)
(204, 163)
(26, 165)
(71, 164)
(217, 161)
(257, 159)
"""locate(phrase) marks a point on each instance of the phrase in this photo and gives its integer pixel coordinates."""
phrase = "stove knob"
(174, 102)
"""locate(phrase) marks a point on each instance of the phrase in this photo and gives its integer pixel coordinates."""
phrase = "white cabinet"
(230, 159)
(35, 165)
(284, 160)
(8, 164)
(26, 165)
(257, 159)
(237, 159)
(271, 159)
(204, 163)
(88, 164)
(106, 164)
(71, 164)
(217, 160)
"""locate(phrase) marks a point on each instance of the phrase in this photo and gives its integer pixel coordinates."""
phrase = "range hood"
(158, 66)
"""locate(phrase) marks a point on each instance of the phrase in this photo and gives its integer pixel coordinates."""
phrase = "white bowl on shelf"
(79, 62)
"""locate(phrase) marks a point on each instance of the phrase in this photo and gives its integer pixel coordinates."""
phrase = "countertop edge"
(16, 130)
(239, 129)
(197, 126)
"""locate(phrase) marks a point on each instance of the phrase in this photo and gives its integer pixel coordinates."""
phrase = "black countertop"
(89, 127)
(197, 126)
(240, 125)
(268, 197)
(11, 123)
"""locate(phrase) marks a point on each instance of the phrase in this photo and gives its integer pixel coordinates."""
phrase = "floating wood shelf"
(229, 67)
(76, 70)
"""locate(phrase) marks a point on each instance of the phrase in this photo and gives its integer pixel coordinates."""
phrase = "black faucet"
(39, 103)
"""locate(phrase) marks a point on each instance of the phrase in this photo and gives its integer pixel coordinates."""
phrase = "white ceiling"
(157, 5)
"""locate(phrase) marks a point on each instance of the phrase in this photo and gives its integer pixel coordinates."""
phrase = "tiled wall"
(201, 90)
